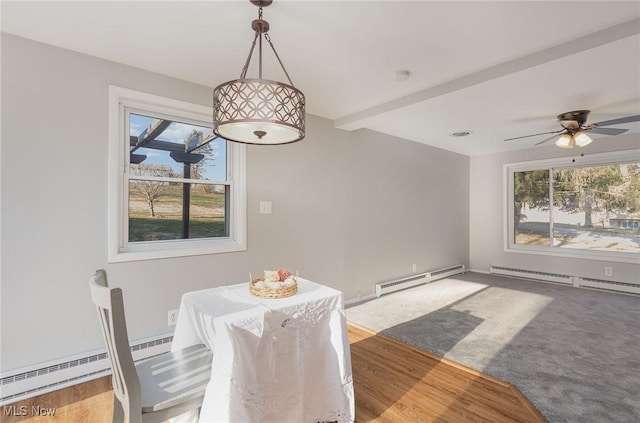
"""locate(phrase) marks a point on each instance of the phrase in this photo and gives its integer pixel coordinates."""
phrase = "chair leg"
(118, 412)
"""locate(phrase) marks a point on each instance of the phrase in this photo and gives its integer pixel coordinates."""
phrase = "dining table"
(284, 360)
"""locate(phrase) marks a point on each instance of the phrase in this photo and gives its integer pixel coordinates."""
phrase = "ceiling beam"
(360, 119)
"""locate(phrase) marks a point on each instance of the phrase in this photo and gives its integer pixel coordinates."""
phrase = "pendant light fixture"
(259, 111)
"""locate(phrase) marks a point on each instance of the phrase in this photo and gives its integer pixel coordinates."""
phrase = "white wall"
(349, 209)
(415, 199)
(487, 207)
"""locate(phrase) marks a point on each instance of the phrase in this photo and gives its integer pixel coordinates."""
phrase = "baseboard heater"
(47, 377)
(530, 274)
(609, 285)
(576, 281)
(419, 279)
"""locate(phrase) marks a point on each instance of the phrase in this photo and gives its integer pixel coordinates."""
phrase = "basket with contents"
(274, 284)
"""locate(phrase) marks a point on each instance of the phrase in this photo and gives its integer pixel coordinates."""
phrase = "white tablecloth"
(274, 360)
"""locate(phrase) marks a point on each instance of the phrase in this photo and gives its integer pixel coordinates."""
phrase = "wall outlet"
(265, 207)
(173, 317)
(608, 271)
(415, 268)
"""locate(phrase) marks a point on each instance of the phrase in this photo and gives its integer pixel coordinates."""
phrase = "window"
(587, 207)
(175, 189)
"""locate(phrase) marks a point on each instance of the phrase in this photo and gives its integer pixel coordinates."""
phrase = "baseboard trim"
(358, 300)
(486, 272)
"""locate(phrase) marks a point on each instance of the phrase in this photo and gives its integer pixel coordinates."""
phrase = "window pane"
(156, 211)
(178, 147)
(213, 166)
(208, 212)
(170, 149)
(597, 207)
(156, 160)
(531, 207)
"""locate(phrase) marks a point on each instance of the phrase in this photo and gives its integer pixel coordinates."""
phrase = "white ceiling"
(497, 69)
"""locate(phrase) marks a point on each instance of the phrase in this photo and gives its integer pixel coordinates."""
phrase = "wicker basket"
(285, 291)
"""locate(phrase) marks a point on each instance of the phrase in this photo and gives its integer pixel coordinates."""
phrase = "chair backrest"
(110, 305)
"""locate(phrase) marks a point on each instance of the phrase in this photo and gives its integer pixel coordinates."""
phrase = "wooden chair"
(154, 390)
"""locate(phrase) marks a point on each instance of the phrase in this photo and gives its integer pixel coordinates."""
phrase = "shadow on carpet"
(572, 352)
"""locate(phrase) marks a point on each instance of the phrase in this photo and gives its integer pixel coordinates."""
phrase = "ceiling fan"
(574, 129)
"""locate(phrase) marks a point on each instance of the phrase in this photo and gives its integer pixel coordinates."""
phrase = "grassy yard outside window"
(585, 207)
(175, 189)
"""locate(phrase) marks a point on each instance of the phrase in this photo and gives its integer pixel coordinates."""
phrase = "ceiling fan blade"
(534, 135)
(608, 131)
(618, 121)
(546, 140)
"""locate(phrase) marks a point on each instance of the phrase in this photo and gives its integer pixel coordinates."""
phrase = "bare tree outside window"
(150, 191)
(198, 169)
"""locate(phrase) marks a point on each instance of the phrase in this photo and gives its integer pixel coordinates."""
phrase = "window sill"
(171, 249)
(616, 257)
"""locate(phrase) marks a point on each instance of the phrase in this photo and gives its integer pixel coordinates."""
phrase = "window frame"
(123, 101)
(595, 159)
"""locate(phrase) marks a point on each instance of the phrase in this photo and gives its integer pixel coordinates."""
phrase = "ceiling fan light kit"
(565, 141)
(578, 138)
(575, 128)
(259, 111)
(582, 139)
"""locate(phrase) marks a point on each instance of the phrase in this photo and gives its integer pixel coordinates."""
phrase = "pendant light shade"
(259, 111)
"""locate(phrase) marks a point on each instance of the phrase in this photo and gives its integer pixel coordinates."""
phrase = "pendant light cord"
(266, 36)
(243, 74)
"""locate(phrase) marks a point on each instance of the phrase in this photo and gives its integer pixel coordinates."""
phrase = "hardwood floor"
(398, 383)
(393, 382)
(86, 402)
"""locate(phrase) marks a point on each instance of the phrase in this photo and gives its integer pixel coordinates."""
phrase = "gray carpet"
(574, 353)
